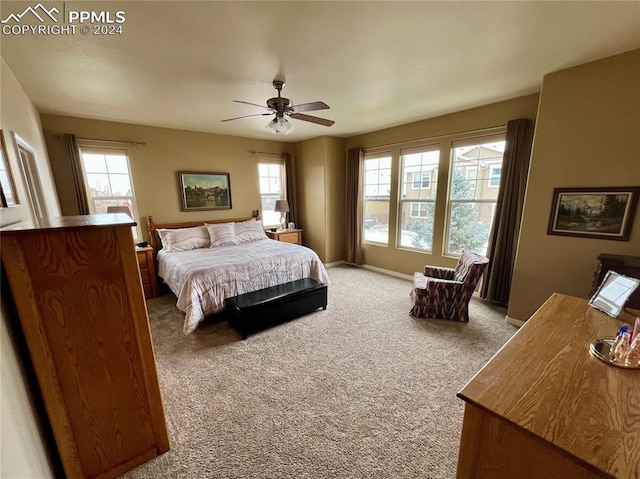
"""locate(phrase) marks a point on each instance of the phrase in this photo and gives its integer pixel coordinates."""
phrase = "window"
(421, 180)
(271, 189)
(494, 177)
(475, 167)
(377, 190)
(108, 181)
(419, 210)
(418, 190)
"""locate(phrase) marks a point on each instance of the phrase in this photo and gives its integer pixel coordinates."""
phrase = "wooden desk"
(543, 407)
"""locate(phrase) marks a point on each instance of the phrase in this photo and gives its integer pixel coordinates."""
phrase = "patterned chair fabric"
(445, 292)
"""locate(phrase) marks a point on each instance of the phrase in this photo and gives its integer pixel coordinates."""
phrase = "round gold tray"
(600, 349)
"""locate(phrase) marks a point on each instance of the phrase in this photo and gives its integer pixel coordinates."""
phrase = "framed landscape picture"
(604, 213)
(204, 191)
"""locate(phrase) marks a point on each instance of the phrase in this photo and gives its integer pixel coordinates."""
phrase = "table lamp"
(283, 207)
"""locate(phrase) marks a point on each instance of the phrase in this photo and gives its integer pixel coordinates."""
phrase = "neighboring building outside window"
(473, 192)
(418, 188)
(108, 181)
(271, 176)
(377, 190)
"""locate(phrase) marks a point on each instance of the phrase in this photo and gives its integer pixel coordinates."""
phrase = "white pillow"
(251, 230)
(221, 234)
(184, 239)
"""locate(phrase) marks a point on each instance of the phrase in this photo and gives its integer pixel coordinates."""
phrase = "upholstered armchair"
(445, 292)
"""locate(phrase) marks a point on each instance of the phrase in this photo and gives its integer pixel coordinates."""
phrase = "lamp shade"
(282, 206)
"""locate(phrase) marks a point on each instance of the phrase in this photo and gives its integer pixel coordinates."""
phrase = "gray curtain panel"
(73, 152)
(354, 214)
(506, 225)
(290, 175)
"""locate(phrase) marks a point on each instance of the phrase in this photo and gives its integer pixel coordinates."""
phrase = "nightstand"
(147, 271)
(288, 236)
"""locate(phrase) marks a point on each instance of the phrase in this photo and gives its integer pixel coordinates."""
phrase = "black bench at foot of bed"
(259, 309)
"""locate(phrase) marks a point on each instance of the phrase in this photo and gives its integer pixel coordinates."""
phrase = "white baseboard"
(388, 272)
(514, 322)
(335, 263)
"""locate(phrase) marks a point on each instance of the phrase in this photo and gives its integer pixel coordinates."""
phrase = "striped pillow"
(184, 239)
(221, 234)
(251, 230)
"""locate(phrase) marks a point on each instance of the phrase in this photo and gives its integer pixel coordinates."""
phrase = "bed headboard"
(154, 238)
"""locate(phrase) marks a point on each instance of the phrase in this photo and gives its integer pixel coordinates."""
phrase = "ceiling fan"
(282, 108)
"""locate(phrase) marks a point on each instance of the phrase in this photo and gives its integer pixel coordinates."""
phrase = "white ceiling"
(377, 64)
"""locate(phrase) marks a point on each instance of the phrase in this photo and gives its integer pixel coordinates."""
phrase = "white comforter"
(203, 278)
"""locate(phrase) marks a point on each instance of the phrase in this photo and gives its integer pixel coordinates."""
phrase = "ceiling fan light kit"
(280, 125)
(282, 108)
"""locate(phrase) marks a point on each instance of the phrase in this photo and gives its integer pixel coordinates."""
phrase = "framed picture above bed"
(201, 190)
(603, 213)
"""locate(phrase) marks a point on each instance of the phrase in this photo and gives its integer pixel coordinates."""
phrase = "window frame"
(283, 189)
(371, 157)
(422, 149)
(475, 141)
(91, 200)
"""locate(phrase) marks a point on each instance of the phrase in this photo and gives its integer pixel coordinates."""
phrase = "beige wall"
(587, 134)
(154, 166)
(442, 130)
(310, 178)
(336, 164)
(23, 452)
(320, 179)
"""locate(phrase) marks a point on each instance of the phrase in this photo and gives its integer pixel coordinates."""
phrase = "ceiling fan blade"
(316, 105)
(248, 116)
(252, 104)
(312, 119)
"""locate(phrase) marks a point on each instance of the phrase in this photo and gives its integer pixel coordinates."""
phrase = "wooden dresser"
(77, 289)
(544, 407)
(288, 236)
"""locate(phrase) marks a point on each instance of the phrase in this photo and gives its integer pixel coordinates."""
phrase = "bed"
(204, 263)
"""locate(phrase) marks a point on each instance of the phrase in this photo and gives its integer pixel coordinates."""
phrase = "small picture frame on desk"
(613, 293)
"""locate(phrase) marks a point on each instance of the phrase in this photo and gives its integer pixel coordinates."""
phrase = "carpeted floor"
(361, 390)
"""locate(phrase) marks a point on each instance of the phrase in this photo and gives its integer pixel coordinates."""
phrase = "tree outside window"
(473, 193)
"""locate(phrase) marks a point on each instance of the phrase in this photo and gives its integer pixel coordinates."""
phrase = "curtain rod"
(407, 142)
(134, 143)
(266, 153)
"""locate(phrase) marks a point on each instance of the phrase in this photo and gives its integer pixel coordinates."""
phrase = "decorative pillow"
(184, 239)
(221, 234)
(251, 230)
